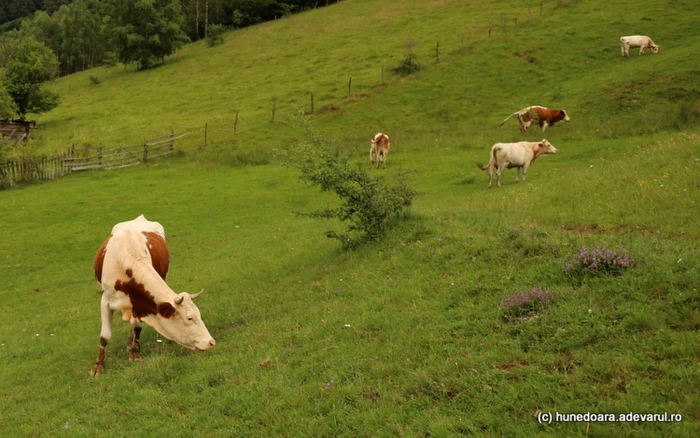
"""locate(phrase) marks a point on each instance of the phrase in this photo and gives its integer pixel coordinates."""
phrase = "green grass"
(404, 336)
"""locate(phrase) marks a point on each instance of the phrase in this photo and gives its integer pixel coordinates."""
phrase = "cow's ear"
(166, 310)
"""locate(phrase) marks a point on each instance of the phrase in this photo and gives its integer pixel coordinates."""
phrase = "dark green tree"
(8, 107)
(145, 31)
(28, 64)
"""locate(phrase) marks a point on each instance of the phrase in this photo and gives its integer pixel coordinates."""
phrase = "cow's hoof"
(134, 356)
(96, 370)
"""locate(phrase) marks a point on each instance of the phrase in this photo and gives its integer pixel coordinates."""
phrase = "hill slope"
(405, 336)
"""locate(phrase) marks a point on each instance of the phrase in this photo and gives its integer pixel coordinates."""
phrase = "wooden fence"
(28, 169)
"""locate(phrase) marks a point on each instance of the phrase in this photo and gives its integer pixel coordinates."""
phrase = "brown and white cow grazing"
(131, 266)
(641, 41)
(379, 148)
(539, 114)
(519, 155)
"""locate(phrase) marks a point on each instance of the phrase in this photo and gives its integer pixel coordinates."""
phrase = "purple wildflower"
(600, 260)
(525, 302)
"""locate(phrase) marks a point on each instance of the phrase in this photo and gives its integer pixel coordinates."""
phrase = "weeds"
(598, 261)
(524, 304)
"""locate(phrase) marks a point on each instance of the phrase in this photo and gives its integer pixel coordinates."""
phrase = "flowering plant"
(601, 260)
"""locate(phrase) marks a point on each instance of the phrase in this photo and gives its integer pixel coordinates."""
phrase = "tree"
(145, 31)
(28, 64)
(8, 107)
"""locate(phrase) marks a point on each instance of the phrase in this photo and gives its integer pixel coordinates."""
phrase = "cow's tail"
(508, 118)
(492, 160)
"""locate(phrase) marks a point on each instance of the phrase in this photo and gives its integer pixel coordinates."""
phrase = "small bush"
(215, 34)
(368, 203)
(600, 260)
(525, 303)
(95, 80)
(408, 65)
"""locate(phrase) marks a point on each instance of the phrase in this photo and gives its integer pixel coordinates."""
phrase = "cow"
(641, 41)
(519, 155)
(131, 266)
(539, 114)
(379, 148)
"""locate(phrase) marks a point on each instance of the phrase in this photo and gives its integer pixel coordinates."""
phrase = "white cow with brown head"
(641, 41)
(519, 155)
(131, 266)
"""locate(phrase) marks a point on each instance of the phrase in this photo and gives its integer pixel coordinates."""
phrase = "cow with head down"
(519, 155)
(641, 41)
(131, 266)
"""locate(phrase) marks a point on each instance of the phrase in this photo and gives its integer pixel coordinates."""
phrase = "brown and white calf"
(379, 148)
(541, 115)
(131, 266)
(519, 155)
(641, 41)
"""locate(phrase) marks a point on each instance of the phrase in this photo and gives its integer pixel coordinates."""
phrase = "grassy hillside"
(405, 336)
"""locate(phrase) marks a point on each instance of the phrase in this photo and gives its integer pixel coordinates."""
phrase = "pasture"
(404, 336)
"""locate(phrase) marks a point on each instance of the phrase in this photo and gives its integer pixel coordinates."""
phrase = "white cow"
(131, 266)
(641, 41)
(519, 155)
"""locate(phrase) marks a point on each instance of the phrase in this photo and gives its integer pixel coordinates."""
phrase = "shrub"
(215, 34)
(524, 304)
(600, 260)
(95, 80)
(408, 65)
(368, 203)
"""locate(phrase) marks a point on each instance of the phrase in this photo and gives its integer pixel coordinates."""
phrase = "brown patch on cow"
(99, 260)
(166, 310)
(160, 254)
(129, 273)
(142, 302)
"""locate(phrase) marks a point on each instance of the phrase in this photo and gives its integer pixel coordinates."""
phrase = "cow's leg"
(491, 169)
(525, 171)
(544, 125)
(517, 174)
(384, 161)
(105, 336)
(641, 50)
(498, 175)
(134, 345)
(371, 149)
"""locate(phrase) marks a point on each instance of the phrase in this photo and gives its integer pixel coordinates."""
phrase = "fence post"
(99, 155)
(312, 103)
(382, 73)
(349, 86)
(145, 150)
(172, 140)
(437, 53)
(206, 127)
(490, 27)
(235, 124)
(274, 108)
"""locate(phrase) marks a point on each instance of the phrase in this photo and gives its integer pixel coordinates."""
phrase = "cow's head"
(654, 48)
(180, 321)
(546, 148)
(566, 116)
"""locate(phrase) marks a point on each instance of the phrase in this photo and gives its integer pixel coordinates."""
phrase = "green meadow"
(404, 336)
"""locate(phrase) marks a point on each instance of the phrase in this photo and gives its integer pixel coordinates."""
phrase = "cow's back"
(133, 240)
